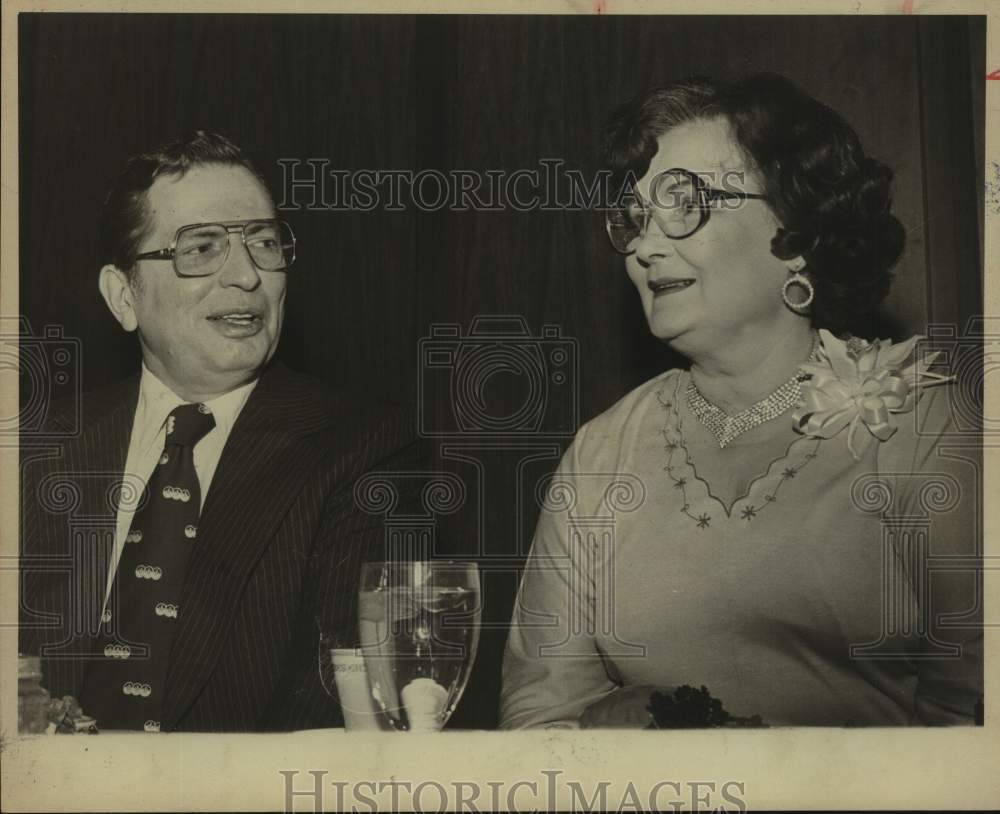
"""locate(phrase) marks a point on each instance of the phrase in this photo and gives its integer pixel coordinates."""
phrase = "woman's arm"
(939, 485)
(553, 669)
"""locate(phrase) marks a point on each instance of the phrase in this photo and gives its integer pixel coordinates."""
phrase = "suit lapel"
(102, 468)
(79, 533)
(263, 466)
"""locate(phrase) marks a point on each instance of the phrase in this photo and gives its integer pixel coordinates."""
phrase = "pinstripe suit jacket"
(280, 542)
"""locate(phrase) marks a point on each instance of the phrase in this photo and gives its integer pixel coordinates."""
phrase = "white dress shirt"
(156, 401)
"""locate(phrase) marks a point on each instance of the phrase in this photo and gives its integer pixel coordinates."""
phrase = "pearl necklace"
(727, 427)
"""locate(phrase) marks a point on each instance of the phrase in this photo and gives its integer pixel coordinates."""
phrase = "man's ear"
(119, 295)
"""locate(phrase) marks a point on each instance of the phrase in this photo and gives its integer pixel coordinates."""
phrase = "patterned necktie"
(124, 689)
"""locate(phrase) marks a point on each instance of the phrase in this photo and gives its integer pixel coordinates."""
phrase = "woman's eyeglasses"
(201, 249)
(680, 203)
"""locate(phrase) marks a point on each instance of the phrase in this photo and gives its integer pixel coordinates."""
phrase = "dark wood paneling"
(952, 87)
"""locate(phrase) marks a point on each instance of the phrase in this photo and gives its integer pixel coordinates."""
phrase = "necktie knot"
(188, 424)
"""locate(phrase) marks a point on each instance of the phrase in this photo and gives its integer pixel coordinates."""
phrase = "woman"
(757, 525)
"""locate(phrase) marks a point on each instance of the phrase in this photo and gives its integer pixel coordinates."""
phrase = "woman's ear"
(796, 264)
(119, 295)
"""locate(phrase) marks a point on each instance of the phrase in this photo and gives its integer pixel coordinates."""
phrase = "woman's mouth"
(661, 287)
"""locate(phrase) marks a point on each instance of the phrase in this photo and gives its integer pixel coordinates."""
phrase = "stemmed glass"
(419, 632)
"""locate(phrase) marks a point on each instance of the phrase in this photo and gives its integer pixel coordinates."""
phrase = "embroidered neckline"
(674, 445)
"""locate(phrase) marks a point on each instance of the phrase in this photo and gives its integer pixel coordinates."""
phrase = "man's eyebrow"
(204, 229)
(259, 225)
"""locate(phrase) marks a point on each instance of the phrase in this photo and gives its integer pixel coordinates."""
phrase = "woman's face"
(721, 284)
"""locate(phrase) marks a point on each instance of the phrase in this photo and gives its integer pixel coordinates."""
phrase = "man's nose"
(239, 270)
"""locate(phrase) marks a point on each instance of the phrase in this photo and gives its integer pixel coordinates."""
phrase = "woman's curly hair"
(832, 200)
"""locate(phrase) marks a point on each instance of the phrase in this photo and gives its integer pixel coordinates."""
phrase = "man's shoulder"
(69, 415)
(309, 390)
(331, 414)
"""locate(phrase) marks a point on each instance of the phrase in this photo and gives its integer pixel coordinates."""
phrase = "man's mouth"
(659, 287)
(237, 323)
(241, 318)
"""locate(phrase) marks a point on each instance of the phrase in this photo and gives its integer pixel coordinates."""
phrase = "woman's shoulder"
(636, 401)
(931, 423)
(608, 431)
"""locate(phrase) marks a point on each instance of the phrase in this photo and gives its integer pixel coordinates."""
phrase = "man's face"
(204, 336)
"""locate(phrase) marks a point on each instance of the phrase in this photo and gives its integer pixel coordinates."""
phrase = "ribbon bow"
(862, 386)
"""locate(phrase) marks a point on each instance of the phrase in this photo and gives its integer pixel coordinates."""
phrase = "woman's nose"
(652, 244)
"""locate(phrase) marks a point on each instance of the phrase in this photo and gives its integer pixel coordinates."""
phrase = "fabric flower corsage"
(861, 386)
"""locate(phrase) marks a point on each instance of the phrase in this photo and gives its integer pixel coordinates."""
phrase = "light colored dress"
(790, 579)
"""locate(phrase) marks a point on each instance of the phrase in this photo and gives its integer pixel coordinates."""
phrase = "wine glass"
(419, 632)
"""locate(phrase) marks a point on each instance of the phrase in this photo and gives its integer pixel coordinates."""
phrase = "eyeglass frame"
(170, 252)
(706, 196)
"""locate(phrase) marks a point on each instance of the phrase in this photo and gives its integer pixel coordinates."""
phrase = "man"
(218, 486)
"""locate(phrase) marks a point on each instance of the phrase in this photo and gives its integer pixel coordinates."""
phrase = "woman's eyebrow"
(638, 195)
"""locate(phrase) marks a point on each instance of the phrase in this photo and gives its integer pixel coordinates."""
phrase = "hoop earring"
(802, 280)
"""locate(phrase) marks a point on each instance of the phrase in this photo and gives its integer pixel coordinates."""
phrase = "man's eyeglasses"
(680, 203)
(201, 249)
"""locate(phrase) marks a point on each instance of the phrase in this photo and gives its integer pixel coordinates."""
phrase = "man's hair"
(124, 217)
